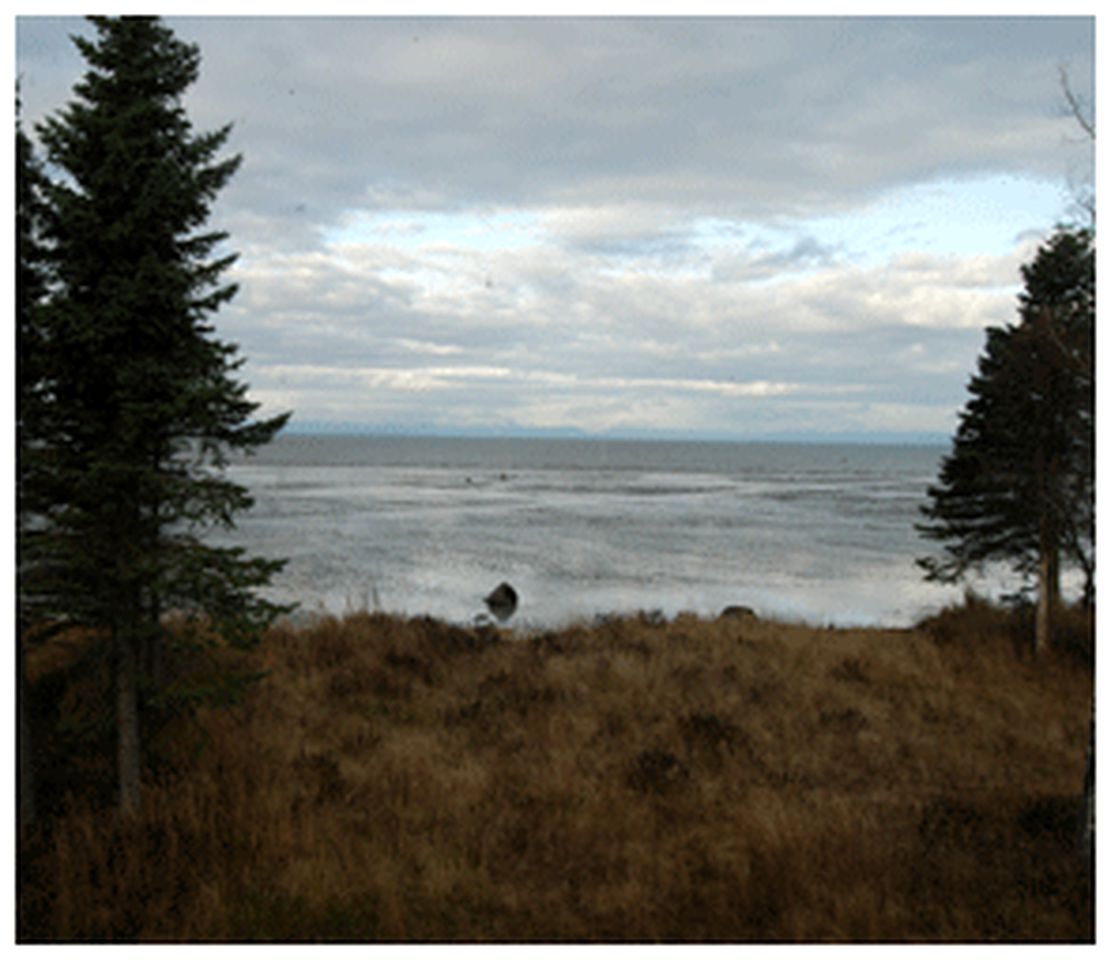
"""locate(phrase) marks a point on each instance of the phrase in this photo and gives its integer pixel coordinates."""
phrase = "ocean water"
(413, 525)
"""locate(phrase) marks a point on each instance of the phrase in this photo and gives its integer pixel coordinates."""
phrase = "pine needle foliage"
(1018, 486)
(141, 403)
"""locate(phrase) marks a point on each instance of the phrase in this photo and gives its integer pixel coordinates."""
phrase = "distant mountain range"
(570, 433)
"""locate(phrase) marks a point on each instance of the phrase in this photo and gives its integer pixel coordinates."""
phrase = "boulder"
(739, 612)
(502, 601)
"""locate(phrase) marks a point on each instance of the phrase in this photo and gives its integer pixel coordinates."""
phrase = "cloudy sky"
(706, 227)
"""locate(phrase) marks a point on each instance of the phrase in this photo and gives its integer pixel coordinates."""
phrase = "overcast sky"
(700, 227)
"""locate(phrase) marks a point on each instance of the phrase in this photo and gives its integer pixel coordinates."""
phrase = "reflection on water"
(822, 533)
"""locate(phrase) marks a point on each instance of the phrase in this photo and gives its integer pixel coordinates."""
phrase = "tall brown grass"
(729, 780)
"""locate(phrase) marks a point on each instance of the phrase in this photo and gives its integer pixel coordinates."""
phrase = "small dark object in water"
(502, 602)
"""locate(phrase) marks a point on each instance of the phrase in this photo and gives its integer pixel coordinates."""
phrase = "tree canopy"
(1018, 485)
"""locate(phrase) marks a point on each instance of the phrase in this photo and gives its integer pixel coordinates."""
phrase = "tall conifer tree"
(1018, 486)
(32, 281)
(144, 404)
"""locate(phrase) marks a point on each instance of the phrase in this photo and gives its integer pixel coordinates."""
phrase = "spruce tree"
(1018, 486)
(32, 282)
(144, 404)
(32, 279)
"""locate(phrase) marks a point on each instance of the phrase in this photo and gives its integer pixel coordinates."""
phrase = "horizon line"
(517, 432)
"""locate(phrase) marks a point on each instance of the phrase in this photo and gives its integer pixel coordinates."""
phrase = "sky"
(707, 227)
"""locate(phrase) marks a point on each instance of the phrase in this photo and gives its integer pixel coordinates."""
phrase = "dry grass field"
(632, 781)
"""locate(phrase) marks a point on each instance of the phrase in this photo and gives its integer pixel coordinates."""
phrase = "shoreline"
(524, 627)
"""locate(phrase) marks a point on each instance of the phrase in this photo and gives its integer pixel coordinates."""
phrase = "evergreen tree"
(31, 289)
(32, 282)
(1018, 486)
(144, 407)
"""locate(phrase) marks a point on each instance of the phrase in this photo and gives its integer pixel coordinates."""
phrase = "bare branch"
(1084, 117)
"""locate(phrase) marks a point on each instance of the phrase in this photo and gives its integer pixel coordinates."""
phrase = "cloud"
(557, 331)
(756, 262)
(714, 224)
(752, 116)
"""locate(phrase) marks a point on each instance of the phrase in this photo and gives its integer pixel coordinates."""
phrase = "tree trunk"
(1086, 836)
(154, 661)
(1049, 582)
(26, 766)
(1049, 590)
(1089, 596)
(127, 722)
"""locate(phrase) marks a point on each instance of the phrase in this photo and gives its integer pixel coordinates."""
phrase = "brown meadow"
(633, 781)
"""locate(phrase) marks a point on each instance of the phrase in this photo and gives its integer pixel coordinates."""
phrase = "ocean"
(821, 533)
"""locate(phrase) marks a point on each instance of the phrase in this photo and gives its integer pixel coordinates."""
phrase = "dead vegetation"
(640, 780)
